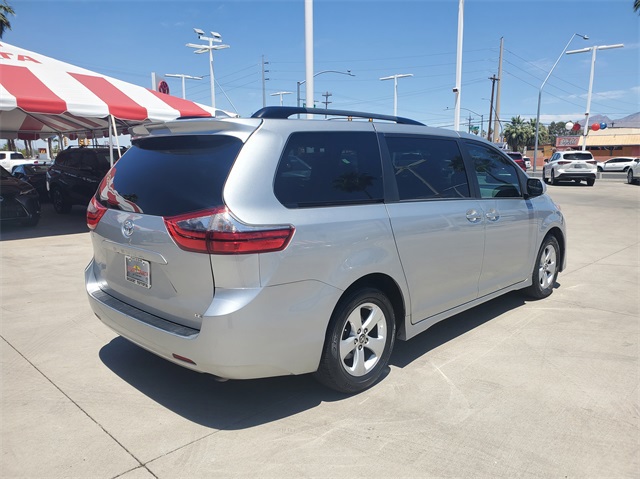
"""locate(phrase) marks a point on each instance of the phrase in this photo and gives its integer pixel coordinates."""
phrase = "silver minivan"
(267, 246)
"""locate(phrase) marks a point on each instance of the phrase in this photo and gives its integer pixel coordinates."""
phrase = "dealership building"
(605, 144)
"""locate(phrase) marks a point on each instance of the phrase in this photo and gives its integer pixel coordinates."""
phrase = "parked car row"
(19, 201)
(71, 180)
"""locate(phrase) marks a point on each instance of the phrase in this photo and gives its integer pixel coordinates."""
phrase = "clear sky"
(374, 38)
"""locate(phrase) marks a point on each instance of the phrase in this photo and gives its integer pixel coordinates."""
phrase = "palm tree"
(5, 10)
(518, 133)
(636, 5)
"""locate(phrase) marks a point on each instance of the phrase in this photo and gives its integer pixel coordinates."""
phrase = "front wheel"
(600, 170)
(545, 270)
(359, 341)
(60, 203)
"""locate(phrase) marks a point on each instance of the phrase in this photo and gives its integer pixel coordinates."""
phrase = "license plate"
(137, 271)
(579, 166)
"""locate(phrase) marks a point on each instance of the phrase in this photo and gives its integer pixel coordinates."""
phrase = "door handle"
(473, 216)
(492, 215)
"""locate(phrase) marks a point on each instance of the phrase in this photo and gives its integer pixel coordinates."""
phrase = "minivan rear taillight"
(216, 231)
(564, 162)
(95, 211)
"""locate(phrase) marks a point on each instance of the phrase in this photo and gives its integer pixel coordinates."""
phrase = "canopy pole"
(110, 144)
(114, 130)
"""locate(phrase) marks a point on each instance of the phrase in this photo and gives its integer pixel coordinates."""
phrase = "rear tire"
(60, 203)
(545, 270)
(359, 341)
(553, 178)
(31, 221)
(630, 179)
(591, 182)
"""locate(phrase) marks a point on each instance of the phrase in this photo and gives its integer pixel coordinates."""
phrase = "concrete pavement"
(513, 388)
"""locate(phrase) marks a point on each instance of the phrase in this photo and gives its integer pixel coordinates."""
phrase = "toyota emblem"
(127, 228)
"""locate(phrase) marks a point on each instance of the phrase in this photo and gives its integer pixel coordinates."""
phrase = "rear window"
(515, 156)
(577, 156)
(171, 175)
(35, 169)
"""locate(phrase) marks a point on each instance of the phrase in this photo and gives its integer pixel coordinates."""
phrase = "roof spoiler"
(284, 112)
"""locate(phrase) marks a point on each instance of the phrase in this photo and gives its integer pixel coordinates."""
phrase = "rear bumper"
(575, 176)
(245, 334)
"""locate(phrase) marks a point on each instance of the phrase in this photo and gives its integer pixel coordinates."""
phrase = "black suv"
(74, 177)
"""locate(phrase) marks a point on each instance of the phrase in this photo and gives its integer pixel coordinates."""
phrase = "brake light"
(216, 231)
(95, 211)
(564, 162)
(592, 162)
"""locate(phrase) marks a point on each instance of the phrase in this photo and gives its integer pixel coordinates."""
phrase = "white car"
(527, 162)
(11, 159)
(616, 164)
(633, 172)
(570, 166)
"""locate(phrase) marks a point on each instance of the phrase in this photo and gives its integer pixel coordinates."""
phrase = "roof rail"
(284, 112)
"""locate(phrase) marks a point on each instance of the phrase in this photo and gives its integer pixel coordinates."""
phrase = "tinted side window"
(328, 169)
(427, 168)
(69, 159)
(497, 176)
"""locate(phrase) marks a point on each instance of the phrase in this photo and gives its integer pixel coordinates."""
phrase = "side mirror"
(535, 187)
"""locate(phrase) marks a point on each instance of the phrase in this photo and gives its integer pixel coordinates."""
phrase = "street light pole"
(348, 72)
(281, 93)
(535, 148)
(214, 38)
(395, 88)
(180, 75)
(475, 113)
(593, 64)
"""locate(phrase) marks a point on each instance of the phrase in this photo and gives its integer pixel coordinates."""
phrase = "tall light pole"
(395, 88)
(348, 72)
(214, 38)
(458, 87)
(535, 148)
(180, 75)
(281, 93)
(593, 49)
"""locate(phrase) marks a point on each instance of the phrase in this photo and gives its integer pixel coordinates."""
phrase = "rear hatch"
(578, 160)
(136, 259)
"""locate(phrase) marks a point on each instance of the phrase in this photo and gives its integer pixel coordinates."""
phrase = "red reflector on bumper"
(182, 358)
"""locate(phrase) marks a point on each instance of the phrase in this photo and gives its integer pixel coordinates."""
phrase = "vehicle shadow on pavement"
(243, 404)
(50, 224)
(200, 398)
(405, 352)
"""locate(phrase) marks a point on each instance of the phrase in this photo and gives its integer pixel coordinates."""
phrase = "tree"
(543, 134)
(518, 134)
(636, 5)
(5, 10)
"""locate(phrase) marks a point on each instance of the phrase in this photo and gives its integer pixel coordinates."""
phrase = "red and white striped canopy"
(41, 97)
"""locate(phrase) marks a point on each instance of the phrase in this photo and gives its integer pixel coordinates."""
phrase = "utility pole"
(326, 101)
(496, 124)
(264, 93)
(493, 84)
